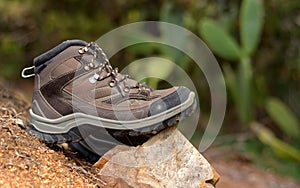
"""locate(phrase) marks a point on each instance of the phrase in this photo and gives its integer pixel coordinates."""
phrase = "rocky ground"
(26, 162)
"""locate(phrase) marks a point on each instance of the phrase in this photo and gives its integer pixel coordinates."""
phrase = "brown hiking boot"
(78, 97)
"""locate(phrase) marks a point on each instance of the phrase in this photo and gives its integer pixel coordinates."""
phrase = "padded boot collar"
(44, 59)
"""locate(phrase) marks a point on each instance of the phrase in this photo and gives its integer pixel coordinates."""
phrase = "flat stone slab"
(166, 160)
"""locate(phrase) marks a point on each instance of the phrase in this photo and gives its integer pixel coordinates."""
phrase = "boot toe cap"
(174, 99)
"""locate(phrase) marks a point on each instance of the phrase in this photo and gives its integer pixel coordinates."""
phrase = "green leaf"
(231, 83)
(245, 76)
(251, 22)
(267, 137)
(219, 40)
(240, 87)
(283, 117)
(153, 69)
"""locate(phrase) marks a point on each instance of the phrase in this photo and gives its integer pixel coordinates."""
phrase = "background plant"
(241, 83)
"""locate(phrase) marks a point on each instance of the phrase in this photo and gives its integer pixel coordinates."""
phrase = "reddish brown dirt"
(237, 171)
(26, 162)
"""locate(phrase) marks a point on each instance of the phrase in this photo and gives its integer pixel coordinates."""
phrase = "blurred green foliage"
(241, 83)
(256, 43)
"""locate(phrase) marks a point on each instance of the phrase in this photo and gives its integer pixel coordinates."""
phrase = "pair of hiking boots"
(80, 99)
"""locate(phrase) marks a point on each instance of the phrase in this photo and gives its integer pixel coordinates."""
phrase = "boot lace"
(99, 60)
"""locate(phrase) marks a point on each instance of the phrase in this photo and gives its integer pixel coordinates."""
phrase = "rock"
(166, 160)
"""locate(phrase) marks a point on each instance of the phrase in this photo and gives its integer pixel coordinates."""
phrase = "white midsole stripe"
(65, 123)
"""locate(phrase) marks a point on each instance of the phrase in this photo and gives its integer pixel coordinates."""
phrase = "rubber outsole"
(135, 137)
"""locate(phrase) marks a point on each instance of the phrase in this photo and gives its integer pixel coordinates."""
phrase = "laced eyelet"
(112, 83)
(126, 89)
(80, 51)
(91, 65)
(94, 78)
